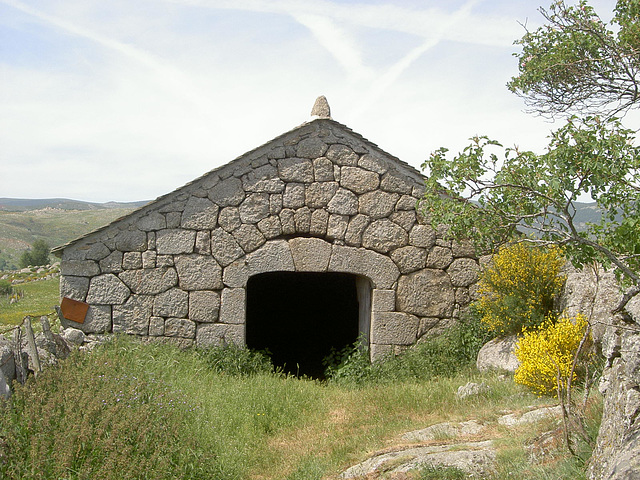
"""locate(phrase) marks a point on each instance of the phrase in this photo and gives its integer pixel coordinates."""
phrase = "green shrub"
(519, 287)
(444, 355)
(100, 416)
(5, 287)
(37, 255)
(231, 359)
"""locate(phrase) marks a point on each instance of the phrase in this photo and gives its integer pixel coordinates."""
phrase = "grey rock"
(263, 179)
(359, 180)
(228, 193)
(310, 254)
(152, 221)
(463, 272)
(355, 229)
(294, 195)
(532, 416)
(232, 305)
(295, 170)
(203, 245)
(248, 237)
(229, 218)
(151, 281)
(179, 327)
(395, 328)
(426, 293)
(342, 155)
(79, 268)
(156, 326)
(319, 194)
(270, 227)
(200, 214)
(445, 430)
(175, 241)
(409, 258)
(75, 288)
(319, 223)
(254, 208)
(379, 268)
(131, 241)
(377, 204)
(383, 300)
(477, 459)
(302, 219)
(321, 108)
(498, 354)
(107, 289)
(204, 306)
(337, 226)
(344, 202)
(224, 247)
(215, 334)
(7, 361)
(311, 147)
(394, 182)
(472, 389)
(198, 272)
(132, 260)
(323, 169)
(383, 236)
(73, 336)
(439, 257)
(373, 162)
(423, 236)
(133, 317)
(112, 263)
(172, 303)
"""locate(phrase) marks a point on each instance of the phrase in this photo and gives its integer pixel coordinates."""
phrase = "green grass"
(40, 297)
(134, 410)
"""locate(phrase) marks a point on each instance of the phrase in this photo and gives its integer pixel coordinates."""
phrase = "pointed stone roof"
(320, 117)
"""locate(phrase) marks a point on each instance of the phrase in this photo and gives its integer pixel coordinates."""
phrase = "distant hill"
(56, 221)
(25, 204)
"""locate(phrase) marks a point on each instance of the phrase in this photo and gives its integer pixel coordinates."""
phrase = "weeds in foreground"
(133, 410)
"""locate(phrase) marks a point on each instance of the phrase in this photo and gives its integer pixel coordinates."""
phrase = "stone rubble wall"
(319, 198)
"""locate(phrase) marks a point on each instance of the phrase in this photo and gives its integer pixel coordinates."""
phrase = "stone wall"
(319, 198)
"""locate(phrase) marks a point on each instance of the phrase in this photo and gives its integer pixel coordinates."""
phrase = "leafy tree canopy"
(38, 255)
(576, 63)
(491, 194)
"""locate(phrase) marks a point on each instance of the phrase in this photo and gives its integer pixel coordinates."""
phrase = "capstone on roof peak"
(321, 108)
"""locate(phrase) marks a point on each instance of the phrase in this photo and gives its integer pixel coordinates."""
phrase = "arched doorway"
(299, 317)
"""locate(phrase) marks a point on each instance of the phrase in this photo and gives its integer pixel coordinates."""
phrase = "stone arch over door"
(376, 278)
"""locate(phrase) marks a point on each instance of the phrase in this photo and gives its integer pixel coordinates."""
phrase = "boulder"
(497, 354)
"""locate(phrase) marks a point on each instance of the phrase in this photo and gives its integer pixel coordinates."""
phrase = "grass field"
(40, 297)
(190, 421)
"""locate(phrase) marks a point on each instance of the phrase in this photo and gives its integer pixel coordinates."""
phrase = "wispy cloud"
(173, 80)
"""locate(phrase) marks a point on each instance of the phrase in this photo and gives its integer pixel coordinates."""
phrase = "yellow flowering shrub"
(546, 354)
(518, 288)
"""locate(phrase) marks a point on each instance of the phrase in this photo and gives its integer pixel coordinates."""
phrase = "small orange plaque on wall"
(74, 310)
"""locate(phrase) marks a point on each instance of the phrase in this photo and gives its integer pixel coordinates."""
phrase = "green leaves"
(578, 63)
(490, 194)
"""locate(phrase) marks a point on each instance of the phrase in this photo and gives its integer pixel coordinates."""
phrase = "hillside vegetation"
(56, 221)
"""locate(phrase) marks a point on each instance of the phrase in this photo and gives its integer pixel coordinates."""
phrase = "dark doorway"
(300, 317)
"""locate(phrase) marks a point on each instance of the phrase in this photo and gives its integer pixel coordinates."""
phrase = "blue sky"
(129, 99)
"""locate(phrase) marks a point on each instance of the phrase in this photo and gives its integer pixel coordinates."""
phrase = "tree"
(38, 255)
(576, 63)
(492, 199)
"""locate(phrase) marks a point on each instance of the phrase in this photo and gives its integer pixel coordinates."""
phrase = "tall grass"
(131, 410)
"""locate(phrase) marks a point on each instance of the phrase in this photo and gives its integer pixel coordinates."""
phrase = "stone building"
(301, 245)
